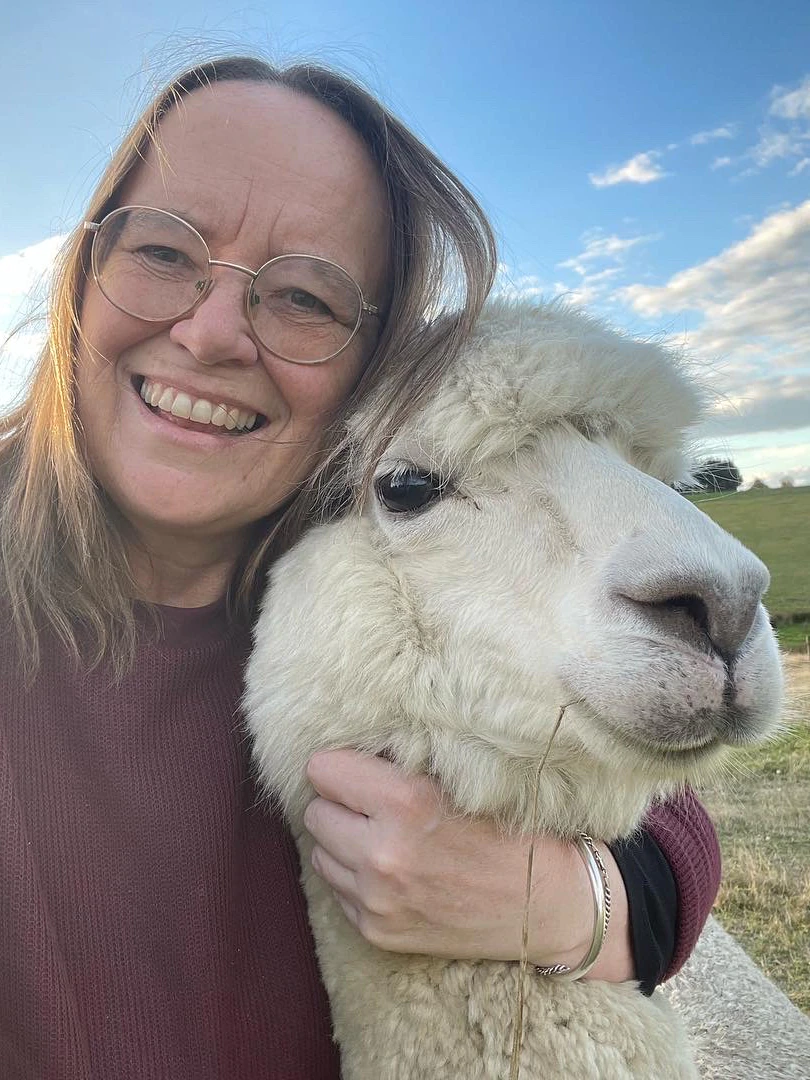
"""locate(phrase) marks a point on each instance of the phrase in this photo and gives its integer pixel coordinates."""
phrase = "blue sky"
(652, 161)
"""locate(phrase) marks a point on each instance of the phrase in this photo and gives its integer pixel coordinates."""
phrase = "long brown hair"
(62, 550)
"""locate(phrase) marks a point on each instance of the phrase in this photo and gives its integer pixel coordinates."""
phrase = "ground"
(762, 809)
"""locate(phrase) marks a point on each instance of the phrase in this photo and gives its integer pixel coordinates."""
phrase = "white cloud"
(786, 133)
(599, 248)
(641, 169)
(24, 276)
(602, 260)
(720, 163)
(24, 280)
(702, 137)
(800, 167)
(751, 303)
(780, 240)
(791, 104)
(777, 145)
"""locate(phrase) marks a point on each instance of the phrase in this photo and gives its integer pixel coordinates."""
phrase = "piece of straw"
(517, 1026)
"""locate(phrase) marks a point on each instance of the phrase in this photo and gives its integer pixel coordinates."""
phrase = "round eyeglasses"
(152, 264)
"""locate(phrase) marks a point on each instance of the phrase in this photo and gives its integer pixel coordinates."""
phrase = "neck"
(181, 572)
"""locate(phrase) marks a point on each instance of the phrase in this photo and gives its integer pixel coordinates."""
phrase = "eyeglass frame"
(365, 307)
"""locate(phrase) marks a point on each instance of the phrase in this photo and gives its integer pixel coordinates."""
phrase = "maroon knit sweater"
(151, 922)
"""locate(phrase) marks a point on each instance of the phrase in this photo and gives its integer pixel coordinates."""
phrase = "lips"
(225, 415)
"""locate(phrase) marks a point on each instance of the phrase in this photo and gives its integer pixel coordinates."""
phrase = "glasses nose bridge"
(234, 266)
(209, 285)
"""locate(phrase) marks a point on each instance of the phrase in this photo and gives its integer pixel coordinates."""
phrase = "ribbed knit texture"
(151, 922)
(685, 834)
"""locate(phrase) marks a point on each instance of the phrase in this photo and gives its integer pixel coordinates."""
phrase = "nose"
(706, 595)
(217, 330)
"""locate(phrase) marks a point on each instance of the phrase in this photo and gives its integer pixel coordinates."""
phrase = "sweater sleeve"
(684, 832)
(652, 901)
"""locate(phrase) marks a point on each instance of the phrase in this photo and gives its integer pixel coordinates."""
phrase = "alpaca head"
(521, 549)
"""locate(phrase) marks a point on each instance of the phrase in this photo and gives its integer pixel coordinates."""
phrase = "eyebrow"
(202, 231)
(188, 218)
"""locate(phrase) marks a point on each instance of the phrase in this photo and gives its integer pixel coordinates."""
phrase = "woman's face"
(260, 172)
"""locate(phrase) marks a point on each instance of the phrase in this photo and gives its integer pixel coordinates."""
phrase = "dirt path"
(797, 669)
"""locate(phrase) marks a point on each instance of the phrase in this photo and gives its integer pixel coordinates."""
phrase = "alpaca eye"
(408, 489)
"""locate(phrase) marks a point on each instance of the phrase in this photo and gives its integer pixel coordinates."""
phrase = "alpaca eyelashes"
(409, 489)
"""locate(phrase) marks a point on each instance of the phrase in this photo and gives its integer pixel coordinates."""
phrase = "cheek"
(313, 394)
(106, 331)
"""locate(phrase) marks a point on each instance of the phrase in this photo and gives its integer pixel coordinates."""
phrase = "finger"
(340, 831)
(350, 911)
(364, 783)
(342, 879)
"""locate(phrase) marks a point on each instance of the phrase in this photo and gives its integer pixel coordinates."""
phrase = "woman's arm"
(684, 832)
(413, 877)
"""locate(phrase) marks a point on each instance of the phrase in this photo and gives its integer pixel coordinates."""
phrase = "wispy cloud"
(720, 163)
(727, 131)
(776, 145)
(599, 247)
(786, 131)
(791, 104)
(641, 169)
(599, 266)
(751, 303)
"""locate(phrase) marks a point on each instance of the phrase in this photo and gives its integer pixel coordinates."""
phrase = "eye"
(168, 255)
(408, 489)
(299, 298)
(291, 301)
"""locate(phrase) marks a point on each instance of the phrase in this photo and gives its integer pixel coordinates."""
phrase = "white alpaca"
(547, 563)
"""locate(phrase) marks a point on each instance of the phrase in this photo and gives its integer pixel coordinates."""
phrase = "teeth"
(202, 411)
(182, 406)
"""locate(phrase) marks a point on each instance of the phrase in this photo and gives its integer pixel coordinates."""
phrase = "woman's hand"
(413, 876)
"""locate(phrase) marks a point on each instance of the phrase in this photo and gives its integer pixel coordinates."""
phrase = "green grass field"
(775, 525)
(762, 806)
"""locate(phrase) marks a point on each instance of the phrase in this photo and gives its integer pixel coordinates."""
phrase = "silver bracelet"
(600, 887)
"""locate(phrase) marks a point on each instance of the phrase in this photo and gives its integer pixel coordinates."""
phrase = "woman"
(195, 377)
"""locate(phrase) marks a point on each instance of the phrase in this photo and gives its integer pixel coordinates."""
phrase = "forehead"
(263, 162)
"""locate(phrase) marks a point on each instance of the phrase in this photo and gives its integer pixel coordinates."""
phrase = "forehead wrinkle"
(286, 198)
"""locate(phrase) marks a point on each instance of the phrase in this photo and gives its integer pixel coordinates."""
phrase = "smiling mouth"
(221, 416)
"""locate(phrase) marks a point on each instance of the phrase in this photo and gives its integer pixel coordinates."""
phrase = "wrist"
(562, 926)
(574, 911)
(615, 962)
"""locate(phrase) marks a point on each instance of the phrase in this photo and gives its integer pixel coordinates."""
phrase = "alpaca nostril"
(714, 619)
(691, 606)
(685, 617)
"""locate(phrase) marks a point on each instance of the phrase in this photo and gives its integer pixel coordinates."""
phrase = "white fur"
(449, 638)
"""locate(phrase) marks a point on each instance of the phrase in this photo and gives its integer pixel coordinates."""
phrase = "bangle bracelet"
(600, 887)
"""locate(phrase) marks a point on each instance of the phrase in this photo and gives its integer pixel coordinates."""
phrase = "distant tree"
(759, 485)
(717, 474)
(787, 482)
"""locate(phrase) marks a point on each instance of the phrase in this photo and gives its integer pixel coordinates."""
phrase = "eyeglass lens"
(154, 266)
